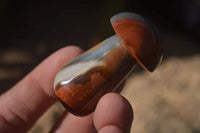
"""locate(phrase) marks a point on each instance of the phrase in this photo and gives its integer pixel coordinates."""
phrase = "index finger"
(26, 101)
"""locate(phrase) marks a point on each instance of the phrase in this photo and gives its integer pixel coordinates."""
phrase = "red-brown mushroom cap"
(139, 37)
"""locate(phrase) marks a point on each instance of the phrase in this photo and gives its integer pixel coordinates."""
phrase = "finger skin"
(111, 129)
(113, 114)
(74, 124)
(21, 106)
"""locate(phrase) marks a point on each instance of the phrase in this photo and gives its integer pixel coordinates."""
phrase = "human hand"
(23, 104)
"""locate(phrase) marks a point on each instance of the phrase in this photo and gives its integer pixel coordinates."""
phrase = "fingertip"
(111, 129)
(47, 70)
(113, 110)
(74, 50)
(63, 56)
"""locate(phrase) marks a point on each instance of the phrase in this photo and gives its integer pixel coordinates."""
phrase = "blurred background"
(166, 100)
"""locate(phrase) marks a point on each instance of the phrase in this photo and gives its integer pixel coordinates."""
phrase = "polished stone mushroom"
(81, 83)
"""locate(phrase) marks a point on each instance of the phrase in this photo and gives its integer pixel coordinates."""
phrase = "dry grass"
(167, 100)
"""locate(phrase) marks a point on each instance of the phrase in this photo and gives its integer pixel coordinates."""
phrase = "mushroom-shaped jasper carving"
(81, 83)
